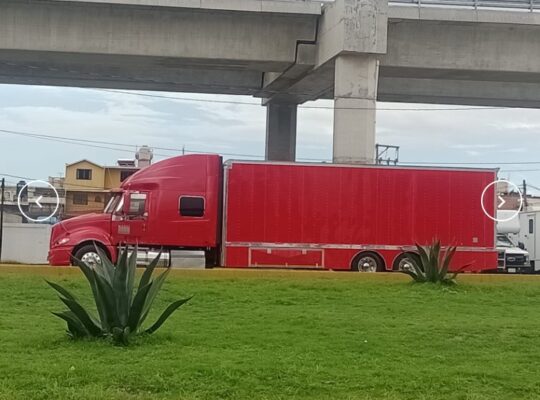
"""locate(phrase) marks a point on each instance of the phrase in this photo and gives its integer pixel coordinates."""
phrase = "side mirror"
(521, 245)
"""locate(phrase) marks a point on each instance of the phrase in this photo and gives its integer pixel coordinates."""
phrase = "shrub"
(121, 308)
(432, 266)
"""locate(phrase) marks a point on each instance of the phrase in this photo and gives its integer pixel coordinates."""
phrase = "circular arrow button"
(487, 200)
(40, 202)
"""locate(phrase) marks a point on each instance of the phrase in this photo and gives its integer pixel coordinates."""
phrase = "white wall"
(26, 243)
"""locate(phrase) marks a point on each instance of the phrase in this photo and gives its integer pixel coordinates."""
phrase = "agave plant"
(431, 265)
(121, 307)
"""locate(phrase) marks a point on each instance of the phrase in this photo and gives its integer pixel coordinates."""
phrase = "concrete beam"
(182, 33)
(280, 131)
(223, 46)
(435, 55)
(460, 92)
(266, 6)
(449, 47)
(126, 72)
(435, 90)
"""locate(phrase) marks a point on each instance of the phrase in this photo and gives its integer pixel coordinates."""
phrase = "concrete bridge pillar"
(355, 94)
(280, 131)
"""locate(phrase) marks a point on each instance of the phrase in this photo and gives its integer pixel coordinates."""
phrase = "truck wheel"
(403, 262)
(87, 254)
(368, 262)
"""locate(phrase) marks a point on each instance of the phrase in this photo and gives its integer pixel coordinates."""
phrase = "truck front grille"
(515, 260)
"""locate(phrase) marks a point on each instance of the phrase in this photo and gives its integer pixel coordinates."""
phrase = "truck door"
(132, 226)
(530, 235)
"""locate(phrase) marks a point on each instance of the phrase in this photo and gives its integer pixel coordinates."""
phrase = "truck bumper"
(519, 269)
(59, 256)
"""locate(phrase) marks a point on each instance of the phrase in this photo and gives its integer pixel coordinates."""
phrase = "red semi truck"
(272, 214)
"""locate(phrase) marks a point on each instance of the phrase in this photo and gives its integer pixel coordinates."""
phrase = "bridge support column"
(355, 96)
(280, 131)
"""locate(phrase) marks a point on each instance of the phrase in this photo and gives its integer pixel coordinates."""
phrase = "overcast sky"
(465, 136)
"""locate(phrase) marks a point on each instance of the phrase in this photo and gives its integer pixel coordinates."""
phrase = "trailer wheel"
(368, 262)
(404, 261)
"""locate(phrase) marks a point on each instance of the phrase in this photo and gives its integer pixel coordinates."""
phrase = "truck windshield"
(503, 241)
(114, 203)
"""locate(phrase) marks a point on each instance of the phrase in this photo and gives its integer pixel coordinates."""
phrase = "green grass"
(280, 335)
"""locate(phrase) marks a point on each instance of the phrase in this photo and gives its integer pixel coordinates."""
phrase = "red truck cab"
(174, 203)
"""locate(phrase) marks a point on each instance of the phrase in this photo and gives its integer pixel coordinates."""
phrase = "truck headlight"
(62, 241)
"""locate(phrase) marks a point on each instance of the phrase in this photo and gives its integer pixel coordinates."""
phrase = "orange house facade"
(87, 185)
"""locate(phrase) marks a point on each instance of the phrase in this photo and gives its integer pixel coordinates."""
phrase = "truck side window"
(531, 224)
(191, 206)
(137, 204)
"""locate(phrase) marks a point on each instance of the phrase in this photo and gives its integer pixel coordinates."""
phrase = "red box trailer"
(342, 217)
(290, 215)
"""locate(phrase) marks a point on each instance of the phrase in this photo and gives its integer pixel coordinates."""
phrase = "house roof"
(84, 160)
(120, 167)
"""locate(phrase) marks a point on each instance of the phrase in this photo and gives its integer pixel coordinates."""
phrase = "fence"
(26, 243)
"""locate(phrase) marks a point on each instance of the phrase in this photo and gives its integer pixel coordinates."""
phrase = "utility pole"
(2, 189)
(525, 204)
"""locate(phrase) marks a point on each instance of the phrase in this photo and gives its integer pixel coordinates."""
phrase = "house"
(517, 201)
(84, 184)
(87, 184)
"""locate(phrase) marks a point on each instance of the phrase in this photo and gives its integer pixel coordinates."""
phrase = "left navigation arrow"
(37, 201)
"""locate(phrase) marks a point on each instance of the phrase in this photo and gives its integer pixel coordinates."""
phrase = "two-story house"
(87, 184)
(85, 188)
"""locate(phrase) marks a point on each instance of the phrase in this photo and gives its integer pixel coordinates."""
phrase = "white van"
(528, 221)
(513, 257)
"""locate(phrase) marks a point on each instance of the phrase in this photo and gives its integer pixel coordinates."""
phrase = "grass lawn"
(283, 334)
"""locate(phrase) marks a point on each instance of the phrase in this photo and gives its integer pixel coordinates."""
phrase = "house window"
(531, 225)
(191, 206)
(125, 174)
(80, 199)
(84, 174)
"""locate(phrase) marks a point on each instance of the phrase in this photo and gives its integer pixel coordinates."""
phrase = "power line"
(81, 142)
(90, 143)
(534, 187)
(26, 178)
(300, 106)
(470, 163)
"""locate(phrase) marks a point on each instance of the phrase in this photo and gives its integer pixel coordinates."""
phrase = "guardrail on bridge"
(522, 5)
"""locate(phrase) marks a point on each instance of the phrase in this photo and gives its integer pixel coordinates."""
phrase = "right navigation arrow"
(501, 202)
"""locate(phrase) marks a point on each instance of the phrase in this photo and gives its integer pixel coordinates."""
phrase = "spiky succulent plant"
(121, 307)
(432, 266)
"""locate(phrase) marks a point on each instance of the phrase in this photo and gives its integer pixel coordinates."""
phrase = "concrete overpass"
(285, 52)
